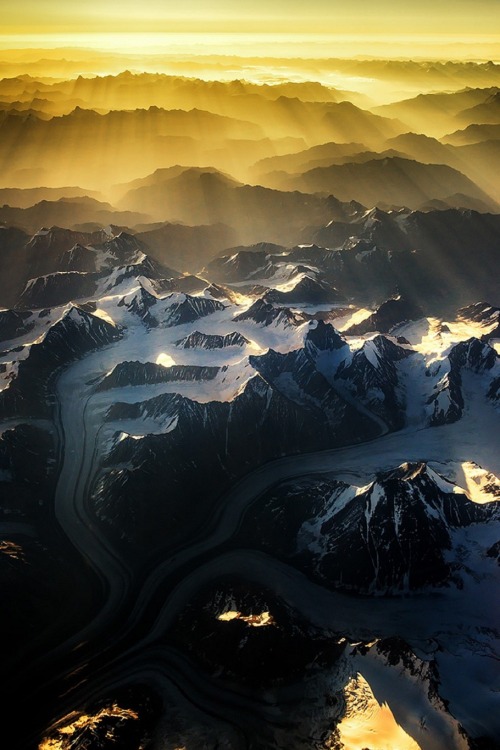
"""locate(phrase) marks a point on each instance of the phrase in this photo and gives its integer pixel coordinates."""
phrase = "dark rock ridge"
(306, 376)
(148, 373)
(241, 263)
(187, 247)
(79, 258)
(295, 376)
(65, 286)
(147, 267)
(188, 309)
(372, 378)
(359, 269)
(370, 257)
(307, 291)
(57, 250)
(494, 390)
(123, 249)
(46, 248)
(173, 310)
(236, 650)
(216, 291)
(75, 334)
(322, 337)
(325, 374)
(264, 313)
(44, 253)
(207, 446)
(57, 289)
(262, 261)
(153, 269)
(413, 248)
(188, 284)
(377, 226)
(13, 266)
(261, 248)
(391, 313)
(139, 303)
(394, 535)
(480, 312)
(473, 355)
(484, 313)
(198, 340)
(14, 323)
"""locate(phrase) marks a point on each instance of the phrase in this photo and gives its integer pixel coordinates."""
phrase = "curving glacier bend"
(199, 475)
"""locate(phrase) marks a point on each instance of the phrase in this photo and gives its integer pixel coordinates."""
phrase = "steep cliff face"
(484, 314)
(473, 356)
(57, 289)
(373, 377)
(391, 313)
(396, 535)
(173, 310)
(77, 333)
(326, 371)
(204, 447)
(383, 252)
(266, 314)
(399, 533)
(198, 340)
(309, 291)
(148, 373)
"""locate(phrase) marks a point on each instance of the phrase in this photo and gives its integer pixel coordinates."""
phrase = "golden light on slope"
(261, 620)
(12, 550)
(368, 723)
(482, 485)
(76, 725)
(100, 313)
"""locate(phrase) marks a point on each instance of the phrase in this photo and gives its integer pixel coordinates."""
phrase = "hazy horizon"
(430, 46)
(450, 29)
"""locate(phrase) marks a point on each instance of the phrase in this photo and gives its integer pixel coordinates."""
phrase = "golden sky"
(442, 17)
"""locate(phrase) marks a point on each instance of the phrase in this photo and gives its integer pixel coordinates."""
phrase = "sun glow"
(165, 360)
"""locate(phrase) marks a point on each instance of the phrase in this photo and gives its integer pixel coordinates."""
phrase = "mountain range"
(249, 394)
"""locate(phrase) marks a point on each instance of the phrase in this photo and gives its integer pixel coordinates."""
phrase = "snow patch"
(100, 313)
(443, 484)
(482, 486)
(371, 353)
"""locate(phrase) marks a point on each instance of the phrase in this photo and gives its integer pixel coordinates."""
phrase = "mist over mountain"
(440, 109)
(389, 181)
(249, 394)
